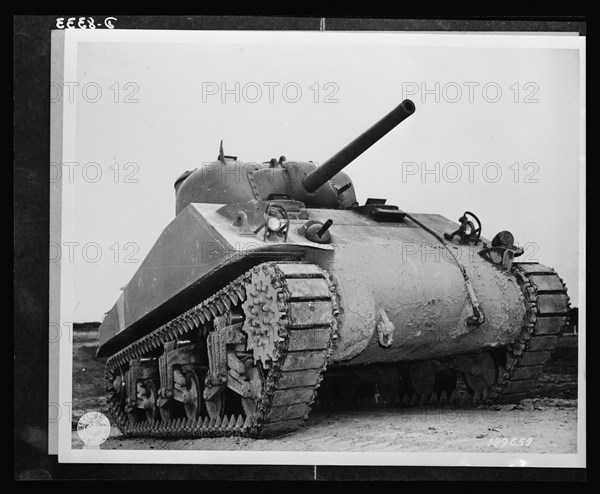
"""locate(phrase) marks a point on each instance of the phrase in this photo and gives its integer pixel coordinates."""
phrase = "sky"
(496, 131)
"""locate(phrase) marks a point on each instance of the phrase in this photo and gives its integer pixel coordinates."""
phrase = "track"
(547, 307)
(302, 315)
(305, 319)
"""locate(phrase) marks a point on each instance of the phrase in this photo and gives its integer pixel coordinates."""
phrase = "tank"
(273, 292)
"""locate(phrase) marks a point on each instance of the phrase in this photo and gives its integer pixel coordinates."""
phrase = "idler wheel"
(484, 372)
(216, 406)
(133, 417)
(445, 381)
(391, 387)
(118, 385)
(255, 377)
(422, 378)
(192, 397)
(151, 408)
(167, 411)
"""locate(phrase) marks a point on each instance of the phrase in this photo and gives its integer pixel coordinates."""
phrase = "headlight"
(274, 223)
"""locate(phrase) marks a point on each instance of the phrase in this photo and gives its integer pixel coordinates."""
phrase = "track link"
(307, 302)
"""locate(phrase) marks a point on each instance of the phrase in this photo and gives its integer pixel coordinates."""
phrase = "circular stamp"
(93, 428)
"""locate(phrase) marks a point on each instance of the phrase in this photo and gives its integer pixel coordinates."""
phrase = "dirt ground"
(546, 423)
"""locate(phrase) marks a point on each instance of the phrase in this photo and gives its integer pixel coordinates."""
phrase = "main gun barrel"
(349, 153)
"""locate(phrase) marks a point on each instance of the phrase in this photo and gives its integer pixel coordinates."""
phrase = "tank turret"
(228, 180)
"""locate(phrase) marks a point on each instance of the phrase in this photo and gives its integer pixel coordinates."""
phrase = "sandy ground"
(544, 424)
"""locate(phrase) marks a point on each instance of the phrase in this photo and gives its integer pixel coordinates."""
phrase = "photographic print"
(352, 248)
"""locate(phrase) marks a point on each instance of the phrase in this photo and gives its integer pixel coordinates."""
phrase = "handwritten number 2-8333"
(83, 23)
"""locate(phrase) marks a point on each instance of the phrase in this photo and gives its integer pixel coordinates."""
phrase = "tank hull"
(397, 269)
(218, 319)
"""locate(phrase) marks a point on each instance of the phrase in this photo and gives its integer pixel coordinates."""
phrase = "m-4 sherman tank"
(273, 291)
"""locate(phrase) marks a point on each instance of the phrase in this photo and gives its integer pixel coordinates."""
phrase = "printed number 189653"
(503, 442)
(83, 23)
